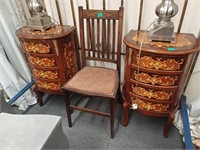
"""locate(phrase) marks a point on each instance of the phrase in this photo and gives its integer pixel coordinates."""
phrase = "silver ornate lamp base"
(162, 33)
(40, 23)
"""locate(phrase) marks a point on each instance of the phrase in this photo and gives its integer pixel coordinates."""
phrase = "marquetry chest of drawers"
(51, 56)
(155, 74)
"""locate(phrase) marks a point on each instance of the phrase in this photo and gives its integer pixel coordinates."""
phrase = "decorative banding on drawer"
(159, 63)
(152, 94)
(48, 85)
(155, 79)
(46, 62)
(157, 107)
(36, 47)
(45, 74)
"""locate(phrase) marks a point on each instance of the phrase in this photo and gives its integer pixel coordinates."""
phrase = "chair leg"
(119, 98)
(67, 105)
(112, 113)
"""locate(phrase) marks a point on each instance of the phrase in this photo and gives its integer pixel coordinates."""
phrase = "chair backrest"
(103, 38)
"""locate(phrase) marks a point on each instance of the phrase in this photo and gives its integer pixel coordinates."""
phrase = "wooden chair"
(103, 43)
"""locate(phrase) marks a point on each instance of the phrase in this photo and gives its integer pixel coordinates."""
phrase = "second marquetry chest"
(156, 73)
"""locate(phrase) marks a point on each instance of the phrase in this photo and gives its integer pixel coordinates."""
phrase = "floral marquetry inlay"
(45, 74)
(159, 95)
(151, 106)
(155, 79)
(46, 62)
(70, 59)
(36, 48)
(159, 64)
(181, 40)
(54, 30)
(48, 86)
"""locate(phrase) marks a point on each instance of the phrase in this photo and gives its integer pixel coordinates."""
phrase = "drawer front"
(42, 61)
(149, 106)
(159, 62)
(45, 74)
(154, 79)
(38, 46)
(155, 94)
(48, 85)
(157, 107)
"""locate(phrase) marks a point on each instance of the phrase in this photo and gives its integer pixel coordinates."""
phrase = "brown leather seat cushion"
(94, 81)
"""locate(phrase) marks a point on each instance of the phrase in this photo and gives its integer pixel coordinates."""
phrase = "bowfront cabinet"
(155, 74)
(51, 56)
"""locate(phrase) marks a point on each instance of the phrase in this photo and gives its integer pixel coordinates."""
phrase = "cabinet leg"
(125, 108)
(39, 96)
(168, 123)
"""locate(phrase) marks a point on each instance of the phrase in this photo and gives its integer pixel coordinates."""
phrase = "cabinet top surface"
(54, 32)
(184, 43)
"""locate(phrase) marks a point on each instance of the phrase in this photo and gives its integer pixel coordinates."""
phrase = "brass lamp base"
(162, 33)
(40, 23)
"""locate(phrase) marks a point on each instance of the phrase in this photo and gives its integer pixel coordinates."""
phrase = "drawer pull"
(159, 95)
(150, 106)
(155, 79)
(47, 62)
(159, 64)
(36, 48)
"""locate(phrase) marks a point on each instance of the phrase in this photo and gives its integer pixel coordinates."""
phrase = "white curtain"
(15, 73)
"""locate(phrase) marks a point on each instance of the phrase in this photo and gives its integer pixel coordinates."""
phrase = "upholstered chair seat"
(94, 81)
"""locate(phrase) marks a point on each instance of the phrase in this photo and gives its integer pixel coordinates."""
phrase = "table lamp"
(39, 20)
(163, 28)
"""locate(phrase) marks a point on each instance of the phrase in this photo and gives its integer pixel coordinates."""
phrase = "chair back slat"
(103, 38)
(108, 39)
(88, 37)
(113, 39)
(93, 37)
(98, 38)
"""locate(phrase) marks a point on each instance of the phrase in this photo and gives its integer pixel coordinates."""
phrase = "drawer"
(168, 63)
(154, 79)
(48, 85)
(38, 46)
(150, 106)
(45, 74)
(157, 94)
(42, 61)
